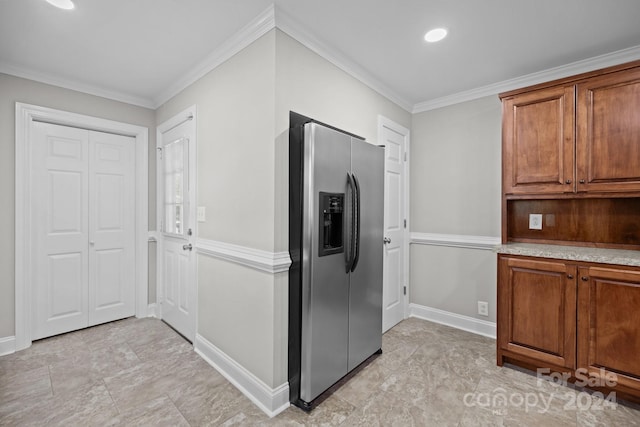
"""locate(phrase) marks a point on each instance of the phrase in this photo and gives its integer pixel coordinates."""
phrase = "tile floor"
(140, 372)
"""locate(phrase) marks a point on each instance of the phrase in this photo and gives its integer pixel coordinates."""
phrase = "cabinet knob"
(582, 181)
(585, 278)
(568, 181)
(569, 276)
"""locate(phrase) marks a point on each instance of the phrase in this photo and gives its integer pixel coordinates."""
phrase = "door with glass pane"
(177, 222)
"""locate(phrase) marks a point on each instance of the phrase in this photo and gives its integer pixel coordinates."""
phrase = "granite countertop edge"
(573, 253)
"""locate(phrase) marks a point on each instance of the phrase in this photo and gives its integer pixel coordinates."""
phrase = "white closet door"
(83, 228)
(111, 227)
(60, 183)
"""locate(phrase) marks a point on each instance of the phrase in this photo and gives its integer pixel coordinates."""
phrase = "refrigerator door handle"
(356, 231)
(350, 252)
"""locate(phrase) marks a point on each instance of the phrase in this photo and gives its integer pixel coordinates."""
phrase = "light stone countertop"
(573, 253)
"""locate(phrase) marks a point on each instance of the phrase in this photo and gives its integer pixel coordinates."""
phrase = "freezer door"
(365, 299)
(325, 285)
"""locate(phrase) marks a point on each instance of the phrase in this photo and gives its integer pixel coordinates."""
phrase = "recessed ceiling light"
(62, 4)
(435, 35)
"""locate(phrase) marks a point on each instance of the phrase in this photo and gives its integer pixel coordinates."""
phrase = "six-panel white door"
(111, 227)
(393, 282)
(82, 228)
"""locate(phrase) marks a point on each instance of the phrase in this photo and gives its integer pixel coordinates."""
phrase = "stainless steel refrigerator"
(336, 211)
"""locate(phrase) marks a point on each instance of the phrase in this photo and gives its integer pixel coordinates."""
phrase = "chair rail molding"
(258, 259)
(456, 240)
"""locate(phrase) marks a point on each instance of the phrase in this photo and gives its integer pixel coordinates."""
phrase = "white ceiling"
(136, 50)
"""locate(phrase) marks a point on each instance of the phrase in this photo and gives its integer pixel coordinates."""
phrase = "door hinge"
(159, 152)
(404, 289)
(405, 223)
(405, 156)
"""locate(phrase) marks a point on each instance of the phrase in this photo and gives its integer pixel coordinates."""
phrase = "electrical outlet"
(483, 308)
(535, 221)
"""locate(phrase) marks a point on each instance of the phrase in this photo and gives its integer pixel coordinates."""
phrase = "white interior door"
(177, 210)
(111, 227)
(83, 228)
(393, 299)
(60, 231)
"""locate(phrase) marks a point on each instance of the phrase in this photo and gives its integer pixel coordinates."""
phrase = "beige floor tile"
(32, 383)
(139, 372)
(157, 412)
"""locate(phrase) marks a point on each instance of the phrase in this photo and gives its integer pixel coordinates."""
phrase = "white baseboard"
(151, 310)
(7, 345)
(270, 401)
(466, 323)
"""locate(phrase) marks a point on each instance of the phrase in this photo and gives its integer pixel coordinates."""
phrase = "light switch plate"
(535, 221)
(201, 214)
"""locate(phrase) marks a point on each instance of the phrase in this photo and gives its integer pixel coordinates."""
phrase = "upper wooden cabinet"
(608, 132)
(538, 141)
(574, 136)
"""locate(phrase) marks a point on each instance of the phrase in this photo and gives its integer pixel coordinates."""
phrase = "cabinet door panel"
(537, 301)
(608, 133)
(538, 141)
(609, 323)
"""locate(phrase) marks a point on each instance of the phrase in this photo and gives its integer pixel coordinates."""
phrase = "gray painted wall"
(455, 189)
(235, 150)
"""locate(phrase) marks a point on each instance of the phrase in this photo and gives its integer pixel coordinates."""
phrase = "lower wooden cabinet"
(609, 326)
(571, 317)
(537, 310)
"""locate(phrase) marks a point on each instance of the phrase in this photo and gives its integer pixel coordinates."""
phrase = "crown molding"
(289, 26)
(50, 79)
(274, 17)
(568, 70)
(251, 32)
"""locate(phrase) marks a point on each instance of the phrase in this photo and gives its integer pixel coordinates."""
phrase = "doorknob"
(187, 247)
(387, 240)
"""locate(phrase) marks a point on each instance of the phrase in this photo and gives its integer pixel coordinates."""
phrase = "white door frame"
(176, 120)
(384, 122)
(26, 114)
